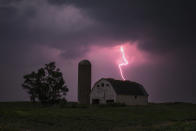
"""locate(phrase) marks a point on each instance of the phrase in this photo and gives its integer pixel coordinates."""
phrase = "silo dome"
(84, 62)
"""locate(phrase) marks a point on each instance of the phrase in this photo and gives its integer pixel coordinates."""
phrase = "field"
(24, 116)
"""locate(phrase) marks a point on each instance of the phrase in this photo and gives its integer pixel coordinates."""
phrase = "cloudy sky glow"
(158, 38)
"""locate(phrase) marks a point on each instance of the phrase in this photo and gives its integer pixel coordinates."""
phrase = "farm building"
(108, 90)
(84, 81)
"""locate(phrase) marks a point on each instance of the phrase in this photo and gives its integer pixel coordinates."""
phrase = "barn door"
(95, 101)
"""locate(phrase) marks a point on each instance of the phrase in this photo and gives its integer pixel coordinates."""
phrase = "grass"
(24, 116)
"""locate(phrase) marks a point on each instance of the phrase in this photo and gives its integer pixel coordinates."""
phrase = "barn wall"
(102, 93)
(131, 100)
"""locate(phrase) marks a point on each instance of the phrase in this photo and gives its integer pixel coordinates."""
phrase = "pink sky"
(104, 60)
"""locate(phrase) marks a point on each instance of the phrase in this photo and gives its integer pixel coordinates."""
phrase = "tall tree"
(46, 85)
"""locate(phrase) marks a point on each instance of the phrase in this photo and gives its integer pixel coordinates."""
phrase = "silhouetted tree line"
(46, 85)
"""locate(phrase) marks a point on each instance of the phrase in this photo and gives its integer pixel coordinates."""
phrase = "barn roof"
(127, 87)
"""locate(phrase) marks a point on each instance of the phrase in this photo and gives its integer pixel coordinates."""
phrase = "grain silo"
(84, 82)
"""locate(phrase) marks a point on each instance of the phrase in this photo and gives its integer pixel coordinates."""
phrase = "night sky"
(158, 37)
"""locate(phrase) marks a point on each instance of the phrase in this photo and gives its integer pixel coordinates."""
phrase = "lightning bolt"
(125, 62)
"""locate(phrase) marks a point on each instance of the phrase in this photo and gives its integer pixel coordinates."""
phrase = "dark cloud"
(70, 27)
(159, 25)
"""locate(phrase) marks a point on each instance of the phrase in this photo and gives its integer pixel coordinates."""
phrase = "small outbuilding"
(108, 90)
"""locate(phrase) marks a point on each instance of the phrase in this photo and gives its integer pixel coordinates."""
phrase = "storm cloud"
(33, 33)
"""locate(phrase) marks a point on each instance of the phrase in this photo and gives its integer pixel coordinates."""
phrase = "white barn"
(108, 90)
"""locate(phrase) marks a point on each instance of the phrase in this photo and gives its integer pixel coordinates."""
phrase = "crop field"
(25, 116)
